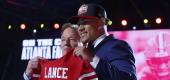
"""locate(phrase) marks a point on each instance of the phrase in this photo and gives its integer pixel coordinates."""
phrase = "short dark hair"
(67, 25)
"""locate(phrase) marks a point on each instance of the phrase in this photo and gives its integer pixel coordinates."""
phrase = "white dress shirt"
(96, 59)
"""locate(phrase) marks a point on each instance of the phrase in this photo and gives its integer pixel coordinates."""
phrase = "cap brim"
(74, 19)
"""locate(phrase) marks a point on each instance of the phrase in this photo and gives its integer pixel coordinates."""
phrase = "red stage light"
(56, 26)
(22, 26)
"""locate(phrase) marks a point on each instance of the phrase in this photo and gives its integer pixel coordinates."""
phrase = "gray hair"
(68, 25)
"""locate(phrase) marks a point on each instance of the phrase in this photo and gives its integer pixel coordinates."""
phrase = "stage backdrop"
(151, 50)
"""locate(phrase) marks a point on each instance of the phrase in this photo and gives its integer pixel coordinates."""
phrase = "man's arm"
(113, 61)
(116, 62)
(25, 76)
(32, 64)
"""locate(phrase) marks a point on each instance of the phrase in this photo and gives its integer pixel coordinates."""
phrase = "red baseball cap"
(89, 11)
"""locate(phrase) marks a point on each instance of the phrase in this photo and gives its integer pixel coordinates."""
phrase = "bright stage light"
(145, 21)
(124, 23)
(9, 27)
(42, 26)
(34, 31)
(109, 22)
(158, 20)
(22, 26)
(134, 27)
(56, 26)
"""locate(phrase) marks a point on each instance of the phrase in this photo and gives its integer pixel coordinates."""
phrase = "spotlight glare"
(158, 20)
(124, 23)
(34, 31)
(134, 27)
(56, 26)
(42, 26)
(145, 21)
(22, 26)
(9, 27)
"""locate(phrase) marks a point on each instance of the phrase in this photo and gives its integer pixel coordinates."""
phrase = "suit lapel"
(107, 38)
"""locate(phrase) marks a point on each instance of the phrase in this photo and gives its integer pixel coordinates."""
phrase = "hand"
(32, 64)
(84, 53)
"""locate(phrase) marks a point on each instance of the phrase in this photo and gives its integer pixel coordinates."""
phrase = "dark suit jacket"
(116, 60)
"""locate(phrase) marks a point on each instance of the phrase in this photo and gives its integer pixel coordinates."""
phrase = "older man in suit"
(69, 40)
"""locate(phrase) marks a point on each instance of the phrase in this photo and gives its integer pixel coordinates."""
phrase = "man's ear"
(101, 23)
